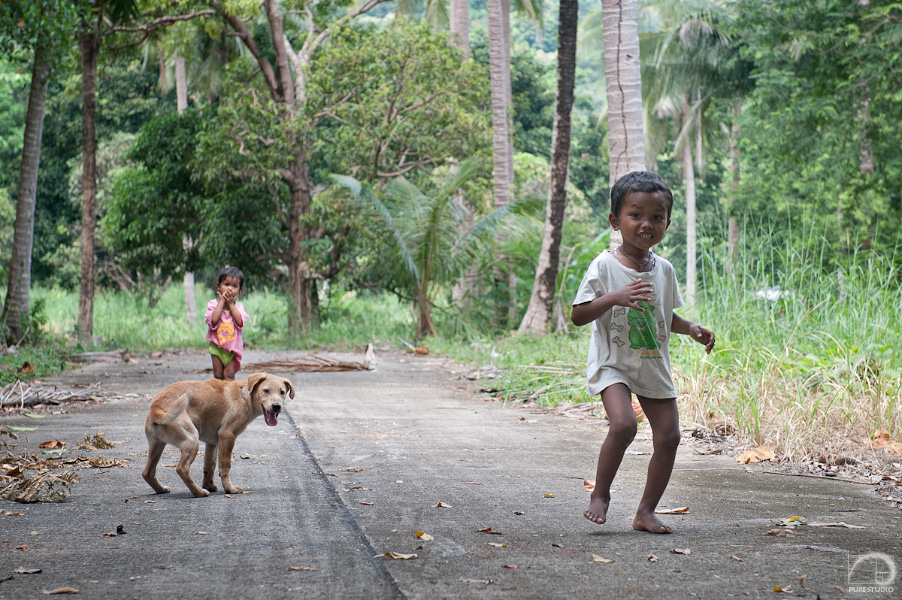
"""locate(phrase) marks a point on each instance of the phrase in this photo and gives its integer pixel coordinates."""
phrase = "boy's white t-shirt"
(629, 346)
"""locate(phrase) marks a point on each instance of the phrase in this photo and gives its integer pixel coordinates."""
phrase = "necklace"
(640, 264)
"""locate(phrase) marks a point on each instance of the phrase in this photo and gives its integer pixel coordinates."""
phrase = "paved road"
(358, 466)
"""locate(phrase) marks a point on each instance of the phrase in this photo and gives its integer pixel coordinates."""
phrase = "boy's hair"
(639, 181)
(231, 272)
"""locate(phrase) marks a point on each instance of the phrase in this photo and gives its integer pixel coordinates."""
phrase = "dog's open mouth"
(271, 418)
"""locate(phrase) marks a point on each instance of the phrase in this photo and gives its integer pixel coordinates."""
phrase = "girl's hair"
(639, 181)
(231, 272)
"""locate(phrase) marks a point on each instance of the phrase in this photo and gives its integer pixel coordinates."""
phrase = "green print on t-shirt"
(643, 328)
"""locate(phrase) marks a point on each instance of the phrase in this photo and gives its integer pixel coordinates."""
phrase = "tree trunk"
(299, 193)
(460, 26)
(89, 44)
(733, 223)
(540, 311)
(16, 307)
(500, 140)
(689, 179)
(623, 85)
(181, 100)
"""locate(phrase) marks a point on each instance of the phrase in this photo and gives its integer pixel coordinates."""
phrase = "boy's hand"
(630, 295)
(703, 336)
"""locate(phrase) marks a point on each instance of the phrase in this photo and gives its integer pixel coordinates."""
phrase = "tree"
(433, 240)
(38, 25)
(539, 312)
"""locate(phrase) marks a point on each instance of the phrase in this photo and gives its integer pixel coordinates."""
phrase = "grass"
(806, 372)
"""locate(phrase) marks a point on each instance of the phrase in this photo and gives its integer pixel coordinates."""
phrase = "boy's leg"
(617, 401)
(664, 419)
(218, 369)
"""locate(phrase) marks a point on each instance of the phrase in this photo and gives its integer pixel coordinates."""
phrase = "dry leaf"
(396, 556)
(424, 536)
(736, 558)
(596, 558)
(510, 566)
(22, 547)
(496, 545)
(7, 513)
(839, 524)
(473, 482)
(62, 590)
(353, 470)
(302, 569)
(685, 551)
(589, 485)
(489, 530)
(881, 440)
(672, 511)
(52, 444)
(365, 503)
(759, 454)
(26, 571)
(792, 521)
(443, 505)
(108, 534)
(787, 590)
(549, 495)
(201, 532)
(781, 532)
(652, 558)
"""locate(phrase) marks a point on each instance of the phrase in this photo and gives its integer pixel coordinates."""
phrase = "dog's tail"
(164, 414)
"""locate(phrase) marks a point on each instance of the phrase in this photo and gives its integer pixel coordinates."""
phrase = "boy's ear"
(615, 222)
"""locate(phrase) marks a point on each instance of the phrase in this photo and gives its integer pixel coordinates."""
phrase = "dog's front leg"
(209, 468)
(226, 444)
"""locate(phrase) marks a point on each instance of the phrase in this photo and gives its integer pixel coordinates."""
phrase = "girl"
(225, 319)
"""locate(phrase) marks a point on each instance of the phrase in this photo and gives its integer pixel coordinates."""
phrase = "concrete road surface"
(364, 461)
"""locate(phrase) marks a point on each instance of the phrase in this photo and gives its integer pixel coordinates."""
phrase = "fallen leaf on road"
(353, 470)
(18, 428)
(31, 415)
(781, 532)
(473, 482)
(365, 503)
(108, 534)
(839, 524)
(652, 558)
(596, 558)
(201, 532)
(549, 495)
(792, 521)
(26, 571)
(589, 485)
(396, 556)
(510, 566)
(672, 511)
(736, 558)
(22, 547)
(6, 513)
(489, 530)
(424, 536)
(443, 505)
(759, 454)
(62, 590)
(495, 545)
(303, 569)
(785, 590)
(685, 551)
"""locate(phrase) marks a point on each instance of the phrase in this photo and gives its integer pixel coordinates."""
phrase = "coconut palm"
(434, 239)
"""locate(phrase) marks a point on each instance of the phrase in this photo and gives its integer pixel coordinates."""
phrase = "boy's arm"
(702, 335)
(628, 296)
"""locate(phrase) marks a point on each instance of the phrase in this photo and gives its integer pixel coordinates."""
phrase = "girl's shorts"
(224, 355)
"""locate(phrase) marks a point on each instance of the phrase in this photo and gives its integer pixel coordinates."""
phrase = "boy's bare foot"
(649, 522)
(597, 511)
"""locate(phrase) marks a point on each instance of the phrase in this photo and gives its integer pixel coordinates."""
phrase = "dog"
(214, 412)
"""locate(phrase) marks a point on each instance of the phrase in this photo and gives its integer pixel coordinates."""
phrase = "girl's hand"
(703, 336)
(632, 294)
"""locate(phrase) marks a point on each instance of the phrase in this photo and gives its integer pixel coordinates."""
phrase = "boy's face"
(643, 219)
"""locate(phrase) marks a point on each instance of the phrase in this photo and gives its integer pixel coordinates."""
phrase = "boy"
(629, 296)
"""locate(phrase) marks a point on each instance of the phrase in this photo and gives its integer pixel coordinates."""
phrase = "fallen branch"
(821, 477)
(114, 356)
(24, 395)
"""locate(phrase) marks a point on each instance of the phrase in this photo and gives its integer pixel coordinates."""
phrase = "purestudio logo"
(872, 572)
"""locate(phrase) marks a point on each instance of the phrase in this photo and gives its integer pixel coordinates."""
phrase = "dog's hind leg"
(209, 468)
(154, 452)
(189, 453)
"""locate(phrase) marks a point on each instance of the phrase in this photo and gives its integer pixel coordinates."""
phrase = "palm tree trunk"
(623, 85)
(539, 313)
(689, 179)
(89, 44)
(500, 140)
(460, 26)
(181, 99)
(15, 309)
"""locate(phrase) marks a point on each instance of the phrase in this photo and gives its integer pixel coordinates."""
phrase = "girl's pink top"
(226, 334)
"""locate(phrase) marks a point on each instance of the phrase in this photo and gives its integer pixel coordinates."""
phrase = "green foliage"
(32, 361)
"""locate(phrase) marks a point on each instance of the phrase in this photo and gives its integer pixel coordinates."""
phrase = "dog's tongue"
(270, 417)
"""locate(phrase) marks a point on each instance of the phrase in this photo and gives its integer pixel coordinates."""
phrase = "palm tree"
(434, 239)
(541, 303)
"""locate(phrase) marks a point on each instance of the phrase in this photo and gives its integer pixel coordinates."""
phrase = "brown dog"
(215, 412)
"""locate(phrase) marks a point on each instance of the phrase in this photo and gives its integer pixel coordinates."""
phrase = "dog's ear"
(255, 380)
(289, 386)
